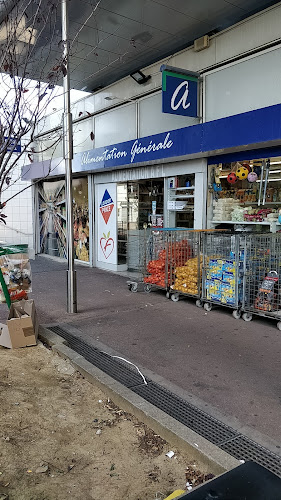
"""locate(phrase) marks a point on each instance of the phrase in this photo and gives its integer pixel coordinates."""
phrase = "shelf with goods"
(180, 205)
(175, 194)
(180, 201)
(252, 188)
(242, 223)
(273, 225)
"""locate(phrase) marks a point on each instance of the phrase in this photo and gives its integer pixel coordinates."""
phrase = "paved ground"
(230, 367)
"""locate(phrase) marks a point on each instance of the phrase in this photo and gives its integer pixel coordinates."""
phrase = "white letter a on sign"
(183, 100)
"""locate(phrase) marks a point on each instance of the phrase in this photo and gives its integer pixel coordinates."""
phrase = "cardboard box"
(21, 329)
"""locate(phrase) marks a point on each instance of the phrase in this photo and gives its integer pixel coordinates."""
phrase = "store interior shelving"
(181, 201)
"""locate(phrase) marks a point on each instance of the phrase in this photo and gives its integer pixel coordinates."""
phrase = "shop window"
(52, 218)
(246, 192)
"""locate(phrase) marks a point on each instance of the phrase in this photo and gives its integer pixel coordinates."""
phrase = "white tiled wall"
(19, 228)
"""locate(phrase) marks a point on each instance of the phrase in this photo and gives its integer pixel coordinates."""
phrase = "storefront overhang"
(253, 130)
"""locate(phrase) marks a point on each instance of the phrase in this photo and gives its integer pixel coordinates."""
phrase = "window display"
(246, 192)
(52, 218)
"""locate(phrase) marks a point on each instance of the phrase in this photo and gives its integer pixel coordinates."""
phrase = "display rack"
(181, 205)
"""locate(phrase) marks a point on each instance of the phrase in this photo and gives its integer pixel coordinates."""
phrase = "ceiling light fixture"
(139, 77)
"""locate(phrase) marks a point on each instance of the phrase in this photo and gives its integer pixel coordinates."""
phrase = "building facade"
(135, 166)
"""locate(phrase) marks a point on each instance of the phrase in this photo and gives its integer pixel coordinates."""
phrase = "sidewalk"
(227, 367)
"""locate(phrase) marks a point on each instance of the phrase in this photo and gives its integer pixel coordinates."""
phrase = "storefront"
(162, 180)
(129, 200)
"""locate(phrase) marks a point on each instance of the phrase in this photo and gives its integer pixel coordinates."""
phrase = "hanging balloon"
(242, 173)
(257, 169)
(246, 165)
(252, 177)
(231, 178)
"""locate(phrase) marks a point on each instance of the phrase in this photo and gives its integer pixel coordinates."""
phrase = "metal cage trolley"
(153, 261)
(261, 282)
(184, 264)
(222, 277)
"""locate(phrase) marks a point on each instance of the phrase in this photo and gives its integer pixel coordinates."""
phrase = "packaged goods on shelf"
(223, 208)
(238, 214)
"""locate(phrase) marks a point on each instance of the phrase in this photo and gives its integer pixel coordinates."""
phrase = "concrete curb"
(170, 429)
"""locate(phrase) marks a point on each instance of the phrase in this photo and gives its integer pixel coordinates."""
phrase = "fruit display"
(188, 277)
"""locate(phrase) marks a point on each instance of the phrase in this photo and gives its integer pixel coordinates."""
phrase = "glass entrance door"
(139, 203)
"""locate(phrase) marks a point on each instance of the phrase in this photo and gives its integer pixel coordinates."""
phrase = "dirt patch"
(61, 438)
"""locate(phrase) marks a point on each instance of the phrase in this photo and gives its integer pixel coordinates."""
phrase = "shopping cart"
(261, 283)
(184, 264)
(153, 261)
(223, 265)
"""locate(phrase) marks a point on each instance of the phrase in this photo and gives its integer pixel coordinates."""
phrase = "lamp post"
(68, 156)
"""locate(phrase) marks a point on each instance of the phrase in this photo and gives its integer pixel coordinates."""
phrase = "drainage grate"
(213, 430)
(101, 360)
(244, 448)
(197, 420)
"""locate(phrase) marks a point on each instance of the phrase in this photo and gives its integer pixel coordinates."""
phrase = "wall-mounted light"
(139, 77)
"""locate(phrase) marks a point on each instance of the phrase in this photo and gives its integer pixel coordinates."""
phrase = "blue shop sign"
(179, 94)
(13, 146)
(257, 128)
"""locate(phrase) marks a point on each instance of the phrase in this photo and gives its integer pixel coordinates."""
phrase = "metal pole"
(68, 155)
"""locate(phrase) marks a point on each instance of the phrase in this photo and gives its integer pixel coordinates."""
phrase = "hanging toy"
(247, 166)
(231, 178)
(252, 176)
(257, 170)
(217, 184)
(242, 173)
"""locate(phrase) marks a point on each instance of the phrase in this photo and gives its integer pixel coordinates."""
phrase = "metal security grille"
(213, 430)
